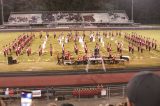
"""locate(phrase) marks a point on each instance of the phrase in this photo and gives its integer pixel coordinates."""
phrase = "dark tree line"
(145, 11)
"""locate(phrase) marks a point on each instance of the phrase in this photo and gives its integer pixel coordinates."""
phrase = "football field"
(34, 62)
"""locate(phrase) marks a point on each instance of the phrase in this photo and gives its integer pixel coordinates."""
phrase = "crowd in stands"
(118, 17)
(89, 18)
(25, 19)
(48, 17)
(33, 19)
(69, 17)
(60, 17)
(18, 19)
(75, 17)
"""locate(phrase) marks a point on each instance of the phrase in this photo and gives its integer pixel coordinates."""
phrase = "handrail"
(93, 11)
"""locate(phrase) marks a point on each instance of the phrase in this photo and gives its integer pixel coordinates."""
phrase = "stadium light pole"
(2, 15)
(132, 10)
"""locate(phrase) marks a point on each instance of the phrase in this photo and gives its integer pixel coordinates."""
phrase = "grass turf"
(47, 62)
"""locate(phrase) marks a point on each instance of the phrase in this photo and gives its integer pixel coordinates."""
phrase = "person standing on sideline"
(51, 52)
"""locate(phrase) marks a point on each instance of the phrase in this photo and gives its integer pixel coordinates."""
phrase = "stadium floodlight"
(132, 10)
(2, 15)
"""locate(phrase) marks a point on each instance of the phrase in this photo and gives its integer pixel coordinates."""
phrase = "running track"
(66, 80)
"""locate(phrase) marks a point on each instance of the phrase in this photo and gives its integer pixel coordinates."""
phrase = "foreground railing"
(63, 93)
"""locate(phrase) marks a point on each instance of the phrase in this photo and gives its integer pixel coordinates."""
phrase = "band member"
(4, 51)
(13, 45)
(75, 38)
(110, 48)
(113, 59)
(149, 47)
(19, 50)
(63, 58)
(121, 56)
(120, 34)
(85, 48)
(155, 45)
(132, 49)
(68, 56)
(120, 50)
(107, 47)
(141, 50)
(80, 59)
(54, 35)
(47, 34)
(58, 59)
(33, 34)
(97, 46)
(152, 43)
(76, 33)
(51, 49)
(91, 37)
(76, 49)
(146, 46)
(40, 35)
(85, 59)
(84, 35)
(27, 51)
(129, 48)
(40, 50)
(138, 48)
(16, 50)
(9, 48)
(118, 47)
(63, 49)
(96, 51)
(110, 55)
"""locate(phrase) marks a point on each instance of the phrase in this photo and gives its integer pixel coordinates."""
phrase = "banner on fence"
(36, 93)
(26, 99)
(103, 92)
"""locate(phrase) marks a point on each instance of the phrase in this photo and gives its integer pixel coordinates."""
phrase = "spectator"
(144, 90)
(67, 104)
(51, 104)
(2, 103)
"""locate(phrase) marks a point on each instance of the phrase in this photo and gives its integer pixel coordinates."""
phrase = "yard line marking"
(155, 54)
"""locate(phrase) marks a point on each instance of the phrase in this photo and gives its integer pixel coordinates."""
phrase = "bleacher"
(68, 18)
(118, 17)
(25, 19)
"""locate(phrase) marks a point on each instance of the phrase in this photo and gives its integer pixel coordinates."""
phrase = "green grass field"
(47, 62)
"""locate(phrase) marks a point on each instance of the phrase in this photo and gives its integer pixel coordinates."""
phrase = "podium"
(11, 60)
